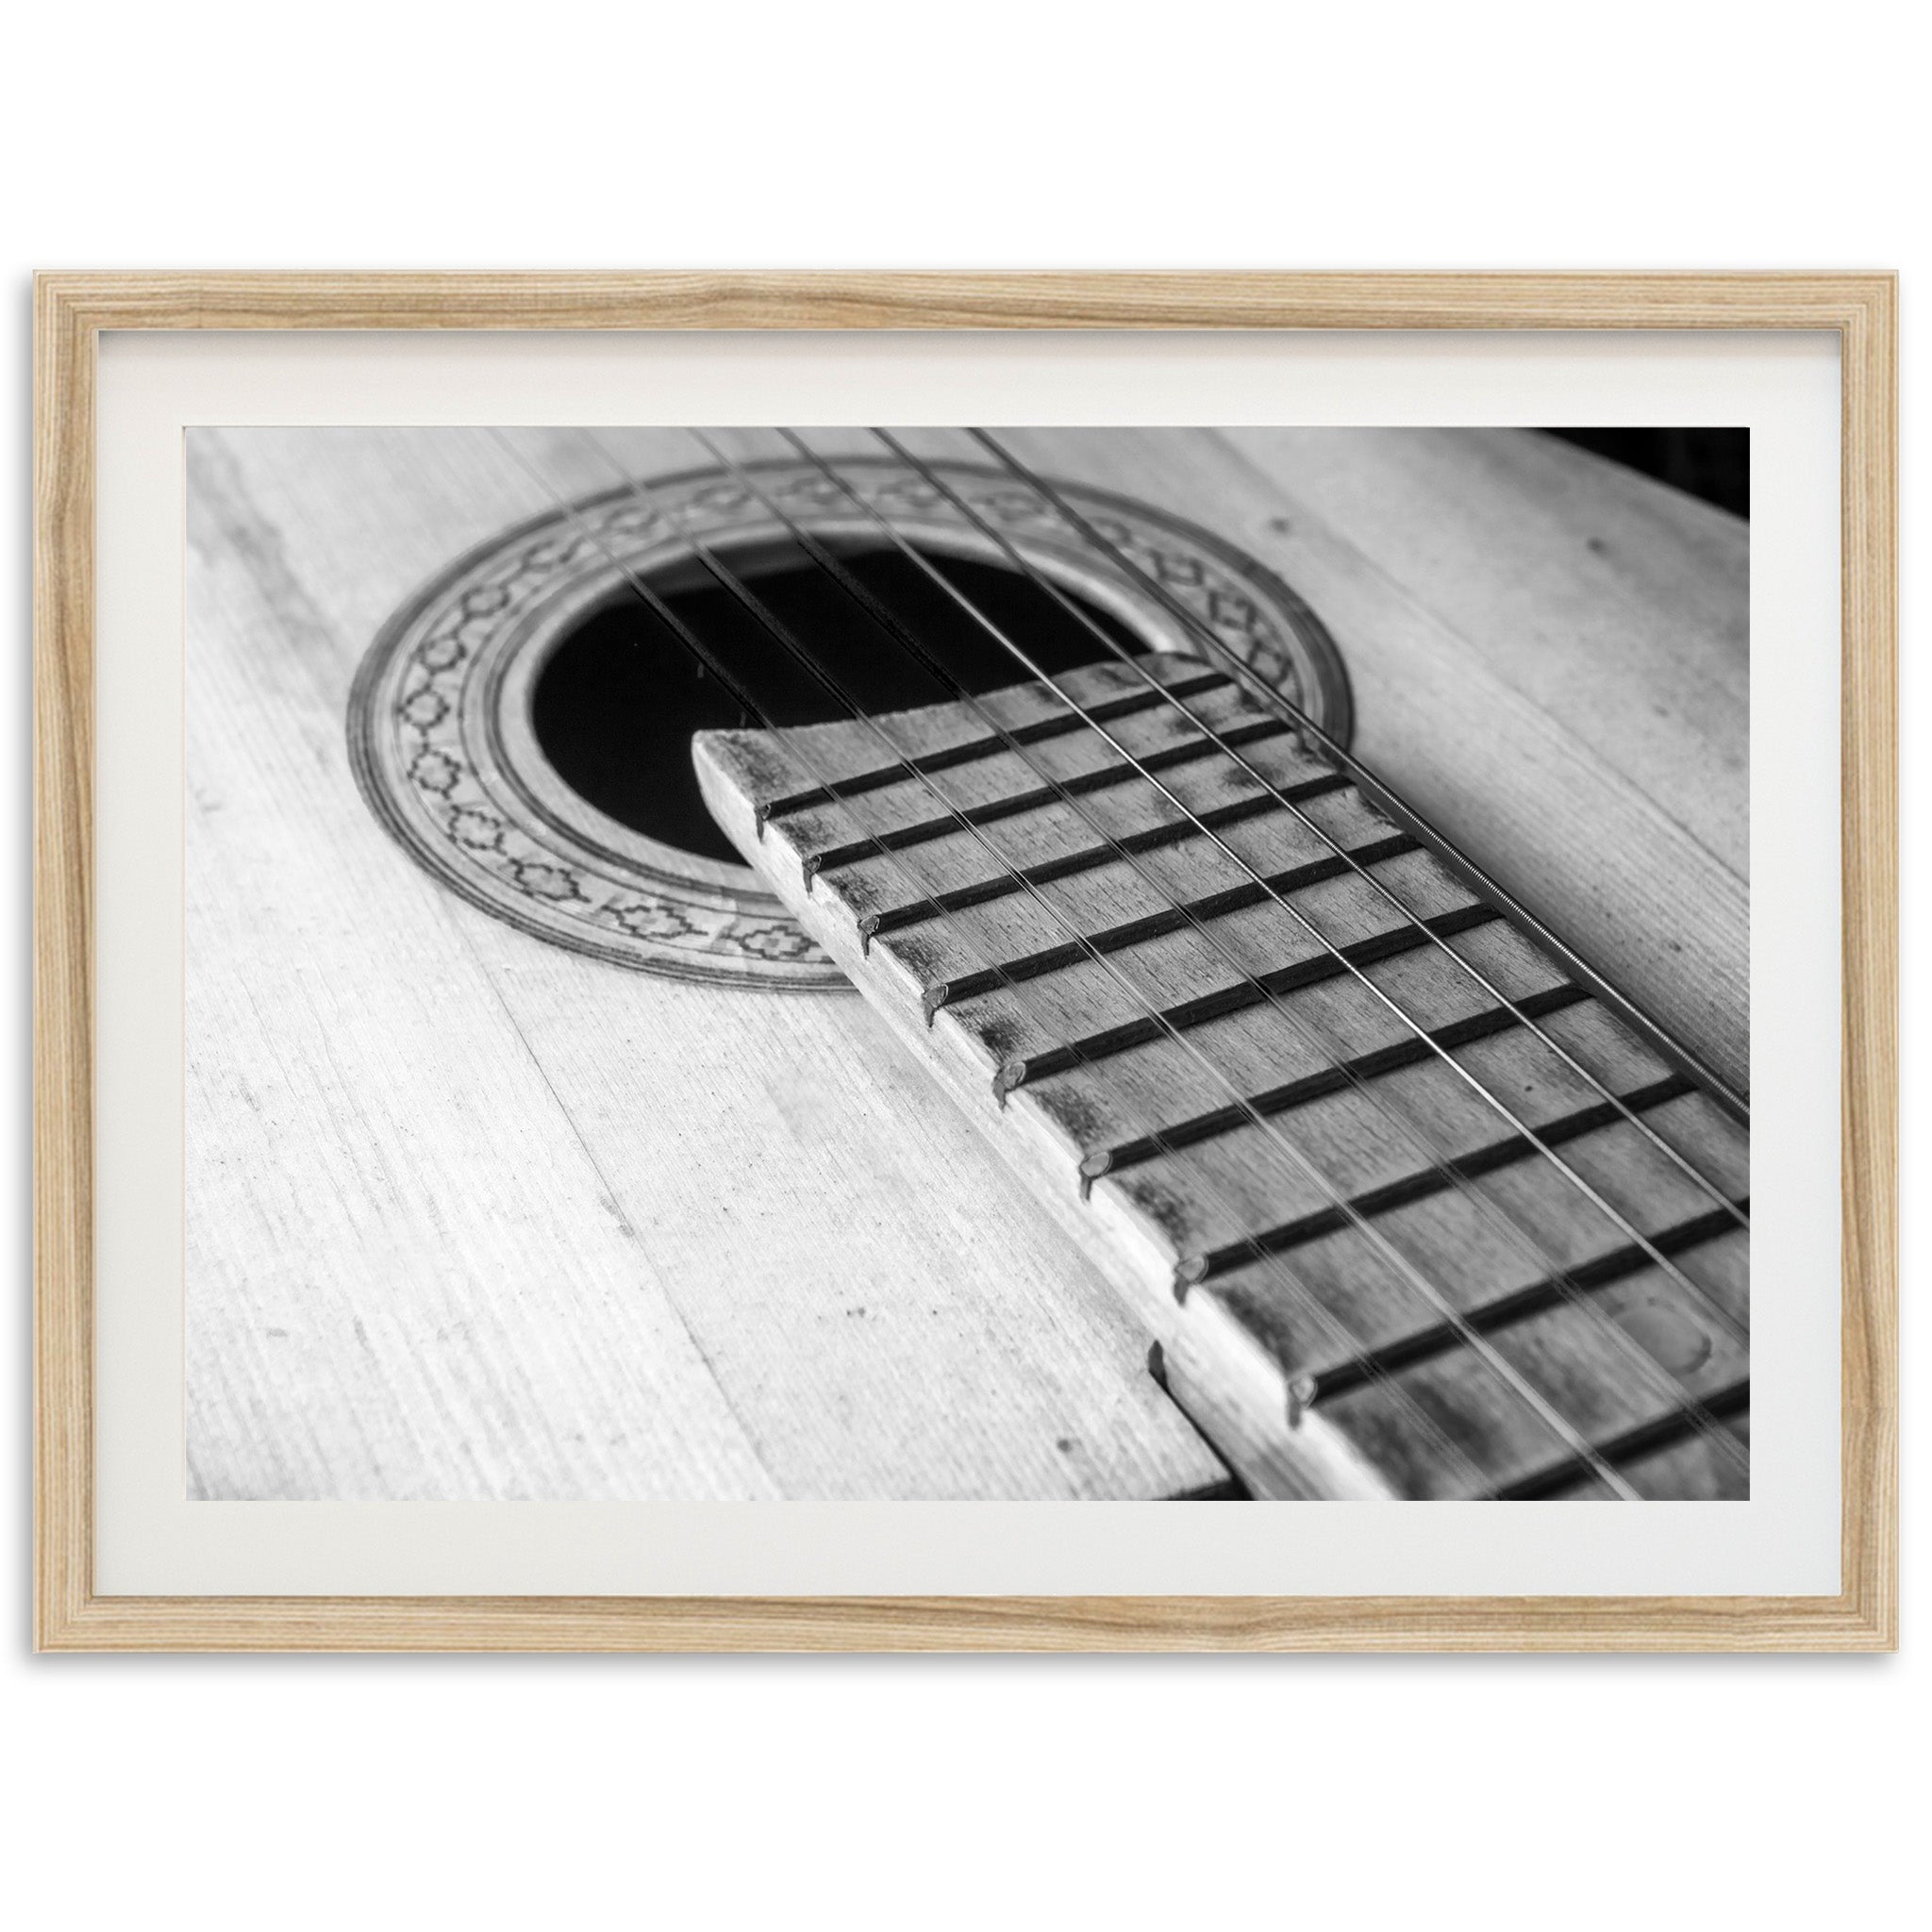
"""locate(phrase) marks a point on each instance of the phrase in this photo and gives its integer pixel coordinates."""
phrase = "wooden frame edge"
(705, 300)
(1869, 844)
(63, 965)
(1282, 1625)
(72, 309)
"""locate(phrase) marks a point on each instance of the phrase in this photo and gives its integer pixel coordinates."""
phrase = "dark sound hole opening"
(616, 705)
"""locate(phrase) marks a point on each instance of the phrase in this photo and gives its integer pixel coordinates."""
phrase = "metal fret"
(1015, 804)
(1433, 1180)
(1156, 925)
(1251, 991)
(1049, 872)
(1659, 1433)
(1284, 1099)
(1060, 724)
(1617, 1265)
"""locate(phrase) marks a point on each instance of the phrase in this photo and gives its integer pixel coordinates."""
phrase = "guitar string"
(1372, 1232)
(1116, 554)
(1324, 1318)
(1119, 554)
(1581, 1449)
(1324, 1050)
(1583, 1452)
(1657, 1256)
(1718, 1315)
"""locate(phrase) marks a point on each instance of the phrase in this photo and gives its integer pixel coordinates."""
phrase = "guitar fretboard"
(1408, 1211)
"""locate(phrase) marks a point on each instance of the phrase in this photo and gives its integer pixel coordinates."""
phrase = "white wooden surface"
(472, 1217)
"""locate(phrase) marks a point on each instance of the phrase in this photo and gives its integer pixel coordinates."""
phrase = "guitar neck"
(1408, 1211)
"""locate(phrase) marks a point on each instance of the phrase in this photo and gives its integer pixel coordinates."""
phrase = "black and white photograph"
(859, 847)
(948, 963)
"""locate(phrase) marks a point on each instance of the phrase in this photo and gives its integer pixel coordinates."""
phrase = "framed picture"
(750, 962)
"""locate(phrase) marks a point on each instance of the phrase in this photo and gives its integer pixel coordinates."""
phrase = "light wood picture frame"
(73, 312)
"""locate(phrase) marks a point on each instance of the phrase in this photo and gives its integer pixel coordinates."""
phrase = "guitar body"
(574, 1173)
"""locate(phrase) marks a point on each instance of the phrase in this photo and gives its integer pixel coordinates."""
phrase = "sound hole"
(616, 705)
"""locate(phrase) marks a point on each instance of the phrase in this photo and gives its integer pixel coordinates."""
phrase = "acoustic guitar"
(1040, 963)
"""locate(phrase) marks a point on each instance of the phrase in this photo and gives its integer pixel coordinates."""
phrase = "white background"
(1106, 1791)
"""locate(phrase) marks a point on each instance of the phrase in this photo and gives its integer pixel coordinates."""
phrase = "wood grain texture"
(1234, 1244)
(948, 301)
(401, 1114)
(1590, 762)
(71, 310)
(472, 1217)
